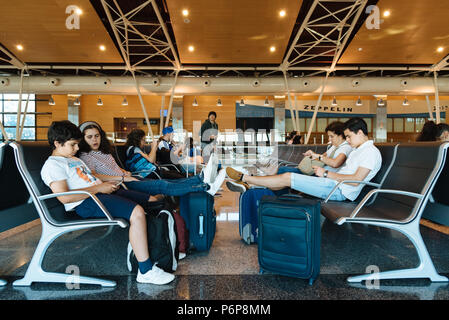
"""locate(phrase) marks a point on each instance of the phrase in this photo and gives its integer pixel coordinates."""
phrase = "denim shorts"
(118, 207)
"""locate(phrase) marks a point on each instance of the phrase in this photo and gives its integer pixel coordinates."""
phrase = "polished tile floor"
(230, 269)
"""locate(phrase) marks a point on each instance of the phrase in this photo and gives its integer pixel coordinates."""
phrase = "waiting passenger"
(64, 172)
(428, 132)
(333, 158)
(362, 164)
(95, 150)
(443, 132)
(166, 148)
(138, 160)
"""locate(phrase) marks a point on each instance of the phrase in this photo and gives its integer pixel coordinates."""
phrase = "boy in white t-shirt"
(362, 164)
(64, 172)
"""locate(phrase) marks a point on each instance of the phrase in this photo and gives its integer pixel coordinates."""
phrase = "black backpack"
(161, 241)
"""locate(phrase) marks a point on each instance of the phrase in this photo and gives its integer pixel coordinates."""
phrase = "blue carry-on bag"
(248, 216)
(197, 209)
(290, 236)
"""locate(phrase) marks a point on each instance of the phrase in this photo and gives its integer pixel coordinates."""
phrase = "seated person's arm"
(360, 174)
(103, 177)
(61, 186)
(334, 163)
(151, 157)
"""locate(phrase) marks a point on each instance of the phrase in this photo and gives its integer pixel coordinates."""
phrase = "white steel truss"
(137, 46)
(338, 26)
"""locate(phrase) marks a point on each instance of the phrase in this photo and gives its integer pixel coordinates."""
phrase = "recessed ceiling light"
(19, 47)
(79, 11)
(185, 12)
(272, 49)
(102, 48)
(440, 49)
(387, 13)
(360, 49)
(191, 48)
(282, 13)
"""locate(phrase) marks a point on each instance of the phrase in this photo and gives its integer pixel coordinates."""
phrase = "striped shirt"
(101, 163)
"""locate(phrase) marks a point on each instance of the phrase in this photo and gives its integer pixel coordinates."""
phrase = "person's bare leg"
(276, 182)
(138, 233)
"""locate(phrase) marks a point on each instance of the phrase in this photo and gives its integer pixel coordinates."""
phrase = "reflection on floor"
(230, 269)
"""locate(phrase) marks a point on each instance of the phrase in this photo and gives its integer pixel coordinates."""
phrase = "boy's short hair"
(356, 124)
(63, 131)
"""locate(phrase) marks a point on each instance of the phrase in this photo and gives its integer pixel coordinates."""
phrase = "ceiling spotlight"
(334, 102)
(102, 47)
(266, 103)
(195, 103)
(272, 49)
(124, 102)
(19, 47)
(282, 13)
(381, 102)
(79, 11)
(387, 13)
(242, 102)
(358, 102)
(405, 102)
(219, 104)
(99, 102)
(51, 102)
(440, 49)
(191, 48)
(77, 102)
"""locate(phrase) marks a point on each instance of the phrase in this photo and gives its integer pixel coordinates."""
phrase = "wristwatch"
(325, 173)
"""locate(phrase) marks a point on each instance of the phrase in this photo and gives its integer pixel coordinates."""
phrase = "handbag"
(306, 165)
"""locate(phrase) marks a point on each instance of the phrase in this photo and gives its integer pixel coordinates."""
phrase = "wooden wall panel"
(58, 112)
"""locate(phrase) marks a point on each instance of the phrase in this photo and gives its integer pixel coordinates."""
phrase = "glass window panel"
(343, 119)
(321, 124)
(10, 120)
(11, 132)
(389, 125)
(368, 123)
(308, 121)
(398, 125)
(409, 125)
(420, 123)
(28, 134)
(11, 96)
(30, 120)
(302, 124)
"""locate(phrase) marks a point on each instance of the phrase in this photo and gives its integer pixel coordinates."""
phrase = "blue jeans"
(173, 187)
(284, 169)
(316, 186)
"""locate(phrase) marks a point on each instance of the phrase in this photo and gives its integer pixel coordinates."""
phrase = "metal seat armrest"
(98, 202)
(168, 165)
(377, 185)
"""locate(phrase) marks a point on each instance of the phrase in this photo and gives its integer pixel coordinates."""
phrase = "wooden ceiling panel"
(40, 27)
(410, 35)
(232, 31)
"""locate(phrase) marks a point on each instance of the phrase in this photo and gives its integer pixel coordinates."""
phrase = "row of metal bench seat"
(397, 197)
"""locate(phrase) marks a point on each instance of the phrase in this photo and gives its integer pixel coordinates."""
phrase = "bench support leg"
(426, 268)
(35, 273)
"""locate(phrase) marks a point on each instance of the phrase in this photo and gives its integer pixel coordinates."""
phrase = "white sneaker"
(208, 170)
(155, 276)
(182, 255)
(214, 159)
(217, 183)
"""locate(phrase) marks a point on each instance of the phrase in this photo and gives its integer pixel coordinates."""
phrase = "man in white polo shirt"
(362, 164)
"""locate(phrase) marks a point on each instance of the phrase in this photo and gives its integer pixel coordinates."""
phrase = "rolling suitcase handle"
(201, 225)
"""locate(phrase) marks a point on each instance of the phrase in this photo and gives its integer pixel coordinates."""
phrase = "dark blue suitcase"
(248, 217)
(290, 236)
(197, 209)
